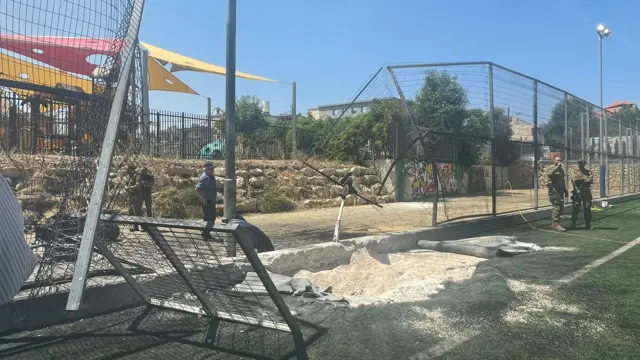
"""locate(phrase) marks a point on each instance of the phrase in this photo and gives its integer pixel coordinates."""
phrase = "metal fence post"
(588, 125)
(145, 102)
(536, 145)
(158, 133)
(230, 200)
(635, 156)
(183, 136)
(621, 158)
(582, 119)
(493, 144)
(294, 115)
(209, 122)
(566, 140)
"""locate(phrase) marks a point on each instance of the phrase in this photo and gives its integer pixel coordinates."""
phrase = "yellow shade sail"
(161, 79)
(180, 62)
(20, 70)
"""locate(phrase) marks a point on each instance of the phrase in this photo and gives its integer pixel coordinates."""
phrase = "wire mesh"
(61, 62)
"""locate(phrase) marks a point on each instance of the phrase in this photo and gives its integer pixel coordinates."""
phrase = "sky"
(331, 47)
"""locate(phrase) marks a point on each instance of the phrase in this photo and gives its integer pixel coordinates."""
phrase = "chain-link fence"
(474, 139)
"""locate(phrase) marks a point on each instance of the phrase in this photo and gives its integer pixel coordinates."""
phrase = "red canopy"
(64, 53)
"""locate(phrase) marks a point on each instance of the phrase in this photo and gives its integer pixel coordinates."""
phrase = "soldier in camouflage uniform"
(557, 192)
(582, 178)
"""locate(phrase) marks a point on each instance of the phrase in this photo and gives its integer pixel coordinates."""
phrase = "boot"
(558, 227)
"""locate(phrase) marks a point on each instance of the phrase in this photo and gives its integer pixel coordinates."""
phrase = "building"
(334, 110)
(522, 130)
(619, 105)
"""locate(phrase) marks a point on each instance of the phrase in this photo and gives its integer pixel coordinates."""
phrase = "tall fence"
(477, 138)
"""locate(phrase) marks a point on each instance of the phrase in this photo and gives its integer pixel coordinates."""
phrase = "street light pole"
(603, 32)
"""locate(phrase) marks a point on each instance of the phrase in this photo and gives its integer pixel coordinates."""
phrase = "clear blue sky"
(331, 47)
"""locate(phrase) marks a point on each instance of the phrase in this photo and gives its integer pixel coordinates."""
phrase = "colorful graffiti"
(420, 181)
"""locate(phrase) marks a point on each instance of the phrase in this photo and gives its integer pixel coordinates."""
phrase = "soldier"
(557, 192)
(146, 182)
(134, 192)
(582, 178)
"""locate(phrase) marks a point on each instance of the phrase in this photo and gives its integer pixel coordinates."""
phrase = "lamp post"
(603, 32)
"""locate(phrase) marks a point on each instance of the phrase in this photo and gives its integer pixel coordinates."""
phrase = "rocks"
(271, 173)
(308, 172)
(301, 181)
(241, 173)
(308, 187)
(257, 182)
(180, 171)
(249, 205)
(11, 172)
(369, 180)
(328, 172)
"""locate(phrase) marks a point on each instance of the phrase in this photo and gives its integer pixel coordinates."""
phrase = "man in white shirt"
(17, 260)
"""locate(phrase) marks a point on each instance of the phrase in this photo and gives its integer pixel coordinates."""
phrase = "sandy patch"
(372, 278)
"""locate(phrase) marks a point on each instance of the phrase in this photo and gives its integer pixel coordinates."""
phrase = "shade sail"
(64, 53)
(20, 70)
(161, 79)
(180, 62)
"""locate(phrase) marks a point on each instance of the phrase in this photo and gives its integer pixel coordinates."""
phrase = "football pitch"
(577, 299)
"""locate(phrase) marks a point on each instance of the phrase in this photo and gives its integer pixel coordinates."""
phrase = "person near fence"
(134, 192)
(146, 184)
(581, 196)
(17, 260)
(557, 192)
(208, 190)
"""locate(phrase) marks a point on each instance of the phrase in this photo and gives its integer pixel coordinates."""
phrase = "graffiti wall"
(421, 183)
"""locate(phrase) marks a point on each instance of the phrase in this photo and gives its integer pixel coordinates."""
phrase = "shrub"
(173, 203)
(275, 200)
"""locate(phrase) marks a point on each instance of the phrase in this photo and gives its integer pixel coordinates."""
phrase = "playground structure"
(94, 117)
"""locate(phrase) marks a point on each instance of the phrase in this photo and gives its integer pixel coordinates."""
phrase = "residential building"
(335, 110)
(619, 105)
(522, 130)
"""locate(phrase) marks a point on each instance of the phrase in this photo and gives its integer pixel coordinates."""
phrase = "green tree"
(503, 132)
(475, 133)
(367, 135)
(439, 107)
(553, 132)
(249, 115)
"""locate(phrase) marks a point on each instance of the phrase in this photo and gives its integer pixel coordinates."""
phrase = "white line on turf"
(576, 275)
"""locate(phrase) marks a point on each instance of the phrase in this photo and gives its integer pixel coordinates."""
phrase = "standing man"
(582, 178)
(134, 192)
(207, 189)
(146, 183)
(557, 192)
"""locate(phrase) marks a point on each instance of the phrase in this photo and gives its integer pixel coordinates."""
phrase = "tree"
(476, 132)
(249, 115)
(367, 135)
(553, 132)
(503, 132)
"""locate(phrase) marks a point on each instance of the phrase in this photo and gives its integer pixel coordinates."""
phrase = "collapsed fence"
(476, 139)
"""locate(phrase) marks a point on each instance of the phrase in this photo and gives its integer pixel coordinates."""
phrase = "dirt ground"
(306, 227)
